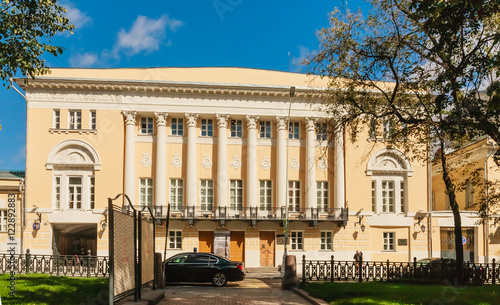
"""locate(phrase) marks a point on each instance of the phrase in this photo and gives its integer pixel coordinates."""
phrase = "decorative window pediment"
(389, 161)
(73, 153)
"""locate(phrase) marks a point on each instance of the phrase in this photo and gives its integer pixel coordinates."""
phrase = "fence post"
(332, 263)
(493, 273)
(303, 268)
(360, 270)
(28, 261)
(88, 263)
(387, 271)
(414, 267)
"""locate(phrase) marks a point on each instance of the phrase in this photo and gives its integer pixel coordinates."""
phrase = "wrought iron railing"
(58, 265)
(332, 270)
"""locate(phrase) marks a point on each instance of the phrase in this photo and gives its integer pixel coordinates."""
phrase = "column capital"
(191, 119)
(281, 122)
(252, 121)
(222, 120)
(129, 117)
(161, 118)
(310, 123)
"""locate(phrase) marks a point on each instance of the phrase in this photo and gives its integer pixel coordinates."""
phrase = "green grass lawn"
(399, 293)
(42, 289)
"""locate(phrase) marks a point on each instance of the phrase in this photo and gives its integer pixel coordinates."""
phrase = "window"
(236, 195)
(388, 241)
(146, 192)
(402, 196)
(265, 195)
(175, 239)
(56, 120)
(176, 194)
(447, 201)
(57, 192)
(469, 196)
(322, 198)
(373, 128)
(75, 119)
(177, 127)
(321, 131)
(388, 129)
(147, 125)
(326, 240)
(433, 201)
(93, 117)
(207, 195)
(92, 193)
(374, 196)
(236, 129)
(294, 196)
(75, 192)
(265, 129)
(207, 128)
(293, 130)
(388, 196)
(3, 220)
(297, 240)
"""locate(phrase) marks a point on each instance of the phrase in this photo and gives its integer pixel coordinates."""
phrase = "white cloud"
(146, 34)
(83, 60)
(76, 17)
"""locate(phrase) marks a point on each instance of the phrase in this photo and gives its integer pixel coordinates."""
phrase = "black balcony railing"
(212, 212)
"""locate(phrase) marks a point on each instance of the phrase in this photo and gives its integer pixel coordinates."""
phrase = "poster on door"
(221, 243)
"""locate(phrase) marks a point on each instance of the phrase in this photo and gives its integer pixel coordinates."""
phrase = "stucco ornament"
(266, 163)
(146, 160)
(206, 163)
(294, 165)
(176, 161)
(322, 165)
(236, 162)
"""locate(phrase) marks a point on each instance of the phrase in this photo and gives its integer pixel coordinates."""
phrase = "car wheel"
(219, 279)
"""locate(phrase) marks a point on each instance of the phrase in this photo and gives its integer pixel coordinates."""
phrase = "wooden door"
(206, 239)
(237, 246)
(267, 248)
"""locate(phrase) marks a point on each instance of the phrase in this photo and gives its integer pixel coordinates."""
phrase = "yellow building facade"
(232, 150)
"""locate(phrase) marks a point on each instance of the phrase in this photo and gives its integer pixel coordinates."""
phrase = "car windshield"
(424, 261)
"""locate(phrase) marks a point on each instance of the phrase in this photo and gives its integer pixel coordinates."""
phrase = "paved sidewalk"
(248, 292)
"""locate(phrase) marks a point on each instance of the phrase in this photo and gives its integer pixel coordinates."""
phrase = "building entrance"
(267, 248)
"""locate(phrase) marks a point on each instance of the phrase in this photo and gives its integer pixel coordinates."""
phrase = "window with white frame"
(206, 195)
(326, 240)
(146, 192)
(175, 239)
(297, 240)
(57, 192)
(147, 125)
(293, 130)
(236, 129)
(389, 241)
(402, 196)
(373, 129)
(469, 196)
(265, 129)
(75, 192)
(294, 196)
(322, 196)
(3, 220)
(374, 196)
(176, 194)
(321, 131)
(447, 201)
(388, 196)
(236, 195)
(265, 195)
(92, 192)
(75, 119)
(56, 119)
(388, 128)
(177, 128)
(207, 128)
(93, 119)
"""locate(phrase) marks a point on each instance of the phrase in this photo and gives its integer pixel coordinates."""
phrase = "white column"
(338, 173)
(161, 160)
(281, 178)
(252, 187)
(191, 169)
(222, 181)
(129, 189)
(311, 194)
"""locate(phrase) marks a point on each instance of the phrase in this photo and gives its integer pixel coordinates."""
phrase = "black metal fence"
(331, 270)
(58, 265)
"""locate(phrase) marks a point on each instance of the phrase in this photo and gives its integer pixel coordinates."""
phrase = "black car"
(203, 267)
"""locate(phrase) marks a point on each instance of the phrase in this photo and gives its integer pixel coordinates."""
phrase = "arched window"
(390, 170)
(73, 163)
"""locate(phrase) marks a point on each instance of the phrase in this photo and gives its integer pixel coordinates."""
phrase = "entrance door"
(206, 239)
(267, 248)
(237, 246)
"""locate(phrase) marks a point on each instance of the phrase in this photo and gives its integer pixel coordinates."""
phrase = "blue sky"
(174, 33)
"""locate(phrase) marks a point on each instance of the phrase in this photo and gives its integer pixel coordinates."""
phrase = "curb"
(309, 298)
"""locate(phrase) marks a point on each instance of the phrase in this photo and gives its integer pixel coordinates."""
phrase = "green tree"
(26, 30)
(421, 65)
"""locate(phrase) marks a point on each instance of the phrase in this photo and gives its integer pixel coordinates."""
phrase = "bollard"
(290, 278)
(303, 268)
(159, 283)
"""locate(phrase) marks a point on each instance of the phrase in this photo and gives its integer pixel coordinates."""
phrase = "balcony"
(253, 214)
